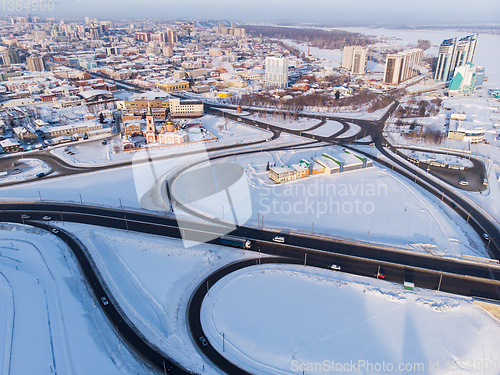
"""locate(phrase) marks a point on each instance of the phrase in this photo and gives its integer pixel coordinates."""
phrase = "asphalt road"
(450, 275)
(295, 246)
(152, 354)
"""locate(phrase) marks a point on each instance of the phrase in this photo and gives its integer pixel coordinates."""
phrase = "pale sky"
(334, 11)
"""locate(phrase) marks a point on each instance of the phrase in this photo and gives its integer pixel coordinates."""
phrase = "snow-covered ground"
(152, 279)
(302, 123)
(328, 129)
(228, 133)
(353, 130)
(28, 168)
(480, 112)
(373, 203)
(49, 321)
(283, 319)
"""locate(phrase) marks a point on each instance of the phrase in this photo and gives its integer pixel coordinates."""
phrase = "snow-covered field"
(49, 321)
(283, 319)
(152, 279)
(353, 130)
(373, 203)
(29, 168)
(301, 124)
(328, 129)
(481, 112)
(231, 132)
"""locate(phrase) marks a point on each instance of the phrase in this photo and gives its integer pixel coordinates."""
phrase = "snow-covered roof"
(91, 93)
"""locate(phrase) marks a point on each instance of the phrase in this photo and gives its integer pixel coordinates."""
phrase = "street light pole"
(81, 201)
(40, 195)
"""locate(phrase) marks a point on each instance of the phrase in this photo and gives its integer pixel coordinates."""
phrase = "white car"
(46, 218)
(55, 231)
(279, 239)
(335, 267)
(486, 236)
(104, 301)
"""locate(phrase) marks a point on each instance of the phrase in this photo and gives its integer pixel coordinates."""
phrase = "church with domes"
(167, 134)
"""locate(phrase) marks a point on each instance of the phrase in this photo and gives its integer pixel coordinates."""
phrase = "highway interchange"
(447, 274)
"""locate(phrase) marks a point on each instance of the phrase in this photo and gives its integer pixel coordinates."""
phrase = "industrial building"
(326, 163)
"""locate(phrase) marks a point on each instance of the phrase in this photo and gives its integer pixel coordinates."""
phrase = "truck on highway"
(236, 242)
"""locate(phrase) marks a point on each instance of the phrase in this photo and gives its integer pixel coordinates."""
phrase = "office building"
(354, 59)
(276, 72)
(35, 63)
(467, 78)
(402, 66)
(452, 54)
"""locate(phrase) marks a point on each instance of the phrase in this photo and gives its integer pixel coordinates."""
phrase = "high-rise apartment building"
(10, 57)
(402, 66)
(276, 72)
(95, 32)
(354, 59)
(452, 54)
(171, 37)
(35, 63)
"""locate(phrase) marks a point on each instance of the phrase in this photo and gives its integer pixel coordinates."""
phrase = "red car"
(380, 275)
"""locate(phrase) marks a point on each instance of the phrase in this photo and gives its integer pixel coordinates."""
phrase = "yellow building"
(172, 85)
(224, 94)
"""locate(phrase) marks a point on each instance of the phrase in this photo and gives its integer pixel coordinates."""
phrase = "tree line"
(334, 39)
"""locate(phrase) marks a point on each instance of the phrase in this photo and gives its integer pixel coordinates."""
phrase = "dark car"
(203, 341)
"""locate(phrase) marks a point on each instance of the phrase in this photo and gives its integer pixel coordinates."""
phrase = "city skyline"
(319, 11)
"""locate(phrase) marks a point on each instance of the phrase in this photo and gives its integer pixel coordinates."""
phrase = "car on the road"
(46, 218)
(24, 216)
(105, 142)
(203, 340)
(167, 366)
(16, 171)
(486, 236)
(485, 181)
(55, 231)
(104, 301)
(380, 275)
(335, 267)
(463, 182)
(279, 239)
(454, 205)
(40, 175)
